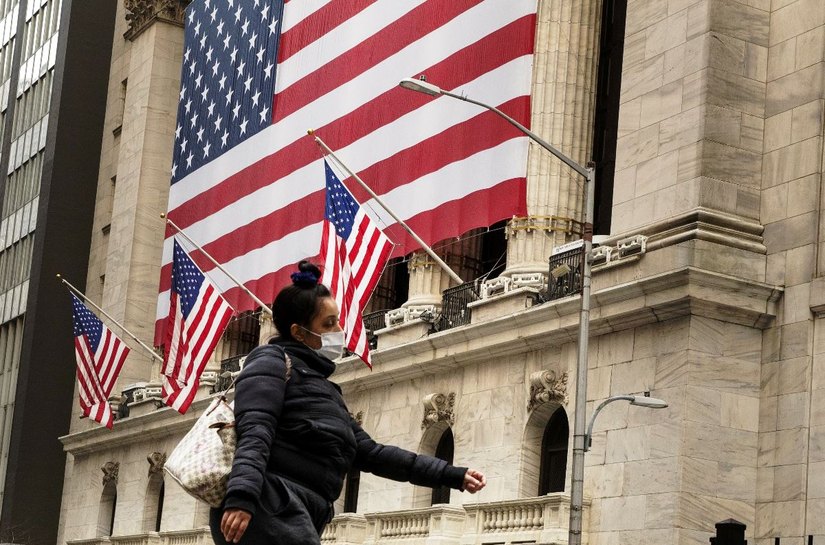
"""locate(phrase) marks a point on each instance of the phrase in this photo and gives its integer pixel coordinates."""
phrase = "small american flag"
(100, 356)
(198, 314)
(355, 252)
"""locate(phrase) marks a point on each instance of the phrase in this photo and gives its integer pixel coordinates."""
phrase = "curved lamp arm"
(641, 401)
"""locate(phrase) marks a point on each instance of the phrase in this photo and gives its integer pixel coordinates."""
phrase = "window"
(106, 512)
(353, 482)
(614, 13)
(444, 451)
(153, 503)
(553, 466)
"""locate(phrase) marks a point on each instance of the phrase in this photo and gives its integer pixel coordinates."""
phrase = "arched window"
(553, 466)
(444, 451)
(106, 512)
(153, 503)
(353, 482)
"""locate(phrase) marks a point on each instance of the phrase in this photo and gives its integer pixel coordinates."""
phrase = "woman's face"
(325, 321)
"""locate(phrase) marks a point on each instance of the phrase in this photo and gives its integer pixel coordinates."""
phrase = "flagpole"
(377, 199)
(100, 310)
(264, 306)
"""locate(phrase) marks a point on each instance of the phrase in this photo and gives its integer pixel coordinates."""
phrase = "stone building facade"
(708, 292)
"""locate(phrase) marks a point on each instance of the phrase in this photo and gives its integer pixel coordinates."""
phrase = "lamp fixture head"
(649, 402)
(420, 86)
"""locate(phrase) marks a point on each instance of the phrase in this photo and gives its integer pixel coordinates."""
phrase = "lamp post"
(640, 401)
(589, 175)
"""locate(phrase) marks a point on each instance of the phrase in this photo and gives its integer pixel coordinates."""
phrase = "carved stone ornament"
(156, 461)
(438, 408)
(110, 471)
(545, 386)
(358, 417)
(141, 14)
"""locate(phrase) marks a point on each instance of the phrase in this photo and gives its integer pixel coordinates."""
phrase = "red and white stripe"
(258, 209)
(96, 374)
(352, 267)
(190, 343)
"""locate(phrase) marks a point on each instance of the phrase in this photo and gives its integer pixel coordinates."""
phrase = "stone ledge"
(680, 292)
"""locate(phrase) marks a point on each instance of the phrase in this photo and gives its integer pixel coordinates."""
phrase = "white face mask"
(332, 343)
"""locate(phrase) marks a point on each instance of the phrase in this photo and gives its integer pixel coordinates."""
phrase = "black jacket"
(300, 429)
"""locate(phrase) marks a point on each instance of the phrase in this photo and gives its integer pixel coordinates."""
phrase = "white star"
(218, 122)
(186, 54)
(183, 145)
(204, 93)
(248, 83)
(214, 14)
(177, 131)
(235, 111)
(231, 3)
(182, 92)
(222, 81)
(198, 29)
(192, 67)
(215, 68)
(244, 27)
(207, 4)
(255, 98)
(229, 96)
(191, 16)
(198, 81)
(194, 120)
(238, 14)
(189, 160)
(220, 28)
(241, 68)
(256, 3)
(226, 41)
(209, 54)
(211, 108)
(243, 126)
(206, 150)
(174, 169)
(272, 26)
(200, 134)
(203, 40)
(263, 113)
(224, 137)
(188, 105)
(260, 54)
(252, 40)
(268, 71)
(233, 54)
(265, 12)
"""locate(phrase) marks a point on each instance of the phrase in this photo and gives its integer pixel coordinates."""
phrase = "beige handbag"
(202, 461)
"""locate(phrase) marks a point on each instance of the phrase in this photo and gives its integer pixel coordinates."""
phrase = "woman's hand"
(234, 523)
(474, 481)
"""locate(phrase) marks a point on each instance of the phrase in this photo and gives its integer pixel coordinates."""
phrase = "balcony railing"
(374, 321)
(454, 309)
(196, 536)
(229, 365)
(542, 519)
(565, 276)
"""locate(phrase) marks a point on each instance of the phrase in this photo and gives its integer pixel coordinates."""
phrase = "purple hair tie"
(304, 277)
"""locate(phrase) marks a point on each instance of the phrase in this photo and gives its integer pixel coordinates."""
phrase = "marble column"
(563, 102)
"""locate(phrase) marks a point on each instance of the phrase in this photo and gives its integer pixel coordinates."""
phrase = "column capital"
(142, 14)
(548, 224)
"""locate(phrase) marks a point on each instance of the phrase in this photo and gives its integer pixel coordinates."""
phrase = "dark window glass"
(444, 451)
(351, 494)
(554, 454)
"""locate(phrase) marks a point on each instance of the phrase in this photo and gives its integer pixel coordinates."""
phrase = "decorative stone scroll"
(156, 461)
(110, 472)
(438, 408)
(545, 386)
(358, 417)
(141, 14)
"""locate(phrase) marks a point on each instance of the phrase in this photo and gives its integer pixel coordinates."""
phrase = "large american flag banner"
(257, 74)
(355, 252)
(198, 315)
(100, 356)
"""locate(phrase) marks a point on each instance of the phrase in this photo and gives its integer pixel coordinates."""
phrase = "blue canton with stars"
(341, 206)
(227, 79)
(86, 323)
(186, 280)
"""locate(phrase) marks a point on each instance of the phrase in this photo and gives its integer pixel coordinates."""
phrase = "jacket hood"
(313, 359)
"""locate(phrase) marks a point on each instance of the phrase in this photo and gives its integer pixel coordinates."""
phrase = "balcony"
(197, 536)
(540, 520)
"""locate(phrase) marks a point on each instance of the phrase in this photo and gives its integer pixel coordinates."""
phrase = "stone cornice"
(680, 292)
(142, 14)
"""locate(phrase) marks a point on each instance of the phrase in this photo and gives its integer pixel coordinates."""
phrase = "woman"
(296, 439)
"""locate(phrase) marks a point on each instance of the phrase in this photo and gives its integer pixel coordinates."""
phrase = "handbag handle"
(287, 362)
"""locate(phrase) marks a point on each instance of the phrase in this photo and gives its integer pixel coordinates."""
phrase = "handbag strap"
(287, 374)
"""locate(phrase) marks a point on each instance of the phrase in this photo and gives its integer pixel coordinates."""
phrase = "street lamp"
(589, 175)
(640, 401)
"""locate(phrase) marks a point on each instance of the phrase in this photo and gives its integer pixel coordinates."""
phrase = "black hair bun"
(307, 275)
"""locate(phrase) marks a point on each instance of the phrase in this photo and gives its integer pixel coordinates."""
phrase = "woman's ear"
(297, 332)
